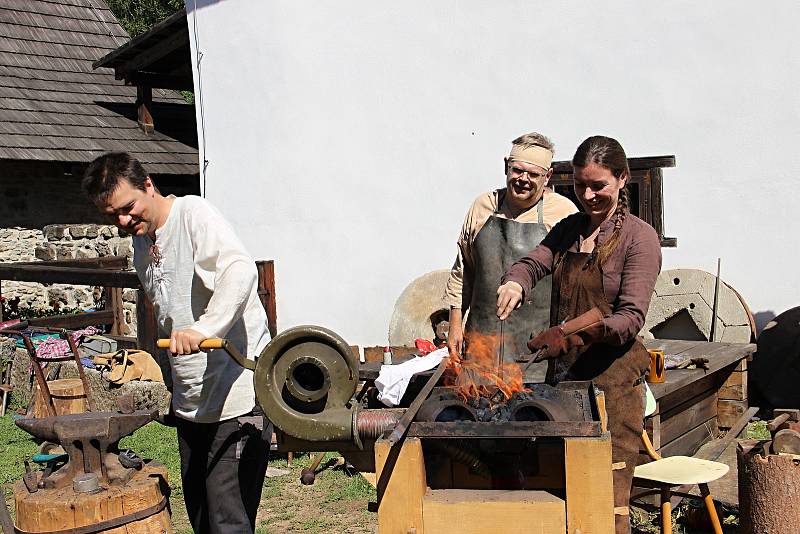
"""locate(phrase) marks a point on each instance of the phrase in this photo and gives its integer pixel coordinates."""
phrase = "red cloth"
(424, 346)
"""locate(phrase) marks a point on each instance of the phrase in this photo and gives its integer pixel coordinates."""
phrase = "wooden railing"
(112, 274)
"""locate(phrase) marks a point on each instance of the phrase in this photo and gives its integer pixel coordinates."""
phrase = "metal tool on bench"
(91, 440)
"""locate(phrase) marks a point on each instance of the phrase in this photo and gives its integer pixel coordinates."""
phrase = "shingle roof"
(55, 107)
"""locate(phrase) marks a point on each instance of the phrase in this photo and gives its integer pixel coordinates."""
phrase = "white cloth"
(206, 281)
(393, 380)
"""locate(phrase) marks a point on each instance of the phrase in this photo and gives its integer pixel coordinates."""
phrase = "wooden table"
(693, 404)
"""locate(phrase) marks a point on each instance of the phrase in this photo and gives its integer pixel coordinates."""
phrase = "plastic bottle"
(387, 355)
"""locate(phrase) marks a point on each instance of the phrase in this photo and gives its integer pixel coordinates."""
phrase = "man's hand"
(509, 298)
(455, 338)
(185, 341)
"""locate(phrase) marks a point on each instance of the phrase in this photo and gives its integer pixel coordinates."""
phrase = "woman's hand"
(553, 343)
(509, 298)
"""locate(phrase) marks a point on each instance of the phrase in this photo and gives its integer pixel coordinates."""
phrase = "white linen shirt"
(206, 281)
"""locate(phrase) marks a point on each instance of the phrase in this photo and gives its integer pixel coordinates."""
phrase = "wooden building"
(57, 113)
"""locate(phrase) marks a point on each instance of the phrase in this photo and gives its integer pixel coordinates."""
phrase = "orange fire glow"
(480, 373)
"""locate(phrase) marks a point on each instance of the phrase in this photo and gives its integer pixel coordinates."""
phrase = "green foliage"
(138, 16)
(756, 430)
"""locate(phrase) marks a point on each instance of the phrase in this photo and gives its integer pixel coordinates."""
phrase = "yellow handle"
(211, 343)
(217, 343)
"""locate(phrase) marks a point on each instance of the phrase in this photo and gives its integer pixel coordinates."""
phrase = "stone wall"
(62, 242)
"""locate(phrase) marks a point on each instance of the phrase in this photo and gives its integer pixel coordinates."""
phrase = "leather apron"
(497, 246)
(577, 287)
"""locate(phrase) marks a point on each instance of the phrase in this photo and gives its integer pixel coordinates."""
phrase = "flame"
(480, 374)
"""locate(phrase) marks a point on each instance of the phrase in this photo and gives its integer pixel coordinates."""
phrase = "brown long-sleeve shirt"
(629, 272)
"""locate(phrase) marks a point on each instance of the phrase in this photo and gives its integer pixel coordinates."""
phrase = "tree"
(138, 16)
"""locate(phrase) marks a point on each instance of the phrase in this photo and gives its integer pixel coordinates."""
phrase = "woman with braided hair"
(604, 263)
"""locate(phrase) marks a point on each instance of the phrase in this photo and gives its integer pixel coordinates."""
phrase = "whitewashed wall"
(346, 139)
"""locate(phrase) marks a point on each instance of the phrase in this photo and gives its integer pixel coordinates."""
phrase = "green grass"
(756, 430)
(16, 445)
(335, 503)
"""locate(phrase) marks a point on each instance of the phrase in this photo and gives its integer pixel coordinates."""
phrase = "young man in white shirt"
(202, 284)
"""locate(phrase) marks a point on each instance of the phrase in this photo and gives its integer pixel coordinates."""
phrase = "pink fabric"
(56, 347)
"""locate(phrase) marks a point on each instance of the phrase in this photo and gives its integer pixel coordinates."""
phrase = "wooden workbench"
(693, 404)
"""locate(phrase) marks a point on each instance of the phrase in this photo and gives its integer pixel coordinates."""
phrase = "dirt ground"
(336, 503)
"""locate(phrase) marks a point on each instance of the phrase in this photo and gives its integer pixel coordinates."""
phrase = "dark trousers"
(222, 469)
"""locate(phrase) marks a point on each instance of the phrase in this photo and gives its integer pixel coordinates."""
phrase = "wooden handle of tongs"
(217, 343)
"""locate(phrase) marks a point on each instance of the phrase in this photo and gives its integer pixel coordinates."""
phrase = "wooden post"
(146, 328)
(400, 472)
(114, 303)
(266, 292)
(768, 488)
(589, 485)
(144, 102)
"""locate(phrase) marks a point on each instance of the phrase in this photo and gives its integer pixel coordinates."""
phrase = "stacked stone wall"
(65, 242)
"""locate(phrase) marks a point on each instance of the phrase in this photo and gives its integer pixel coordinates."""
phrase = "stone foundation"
(65, 242)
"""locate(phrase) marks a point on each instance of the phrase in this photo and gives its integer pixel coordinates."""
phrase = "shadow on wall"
(762, 318)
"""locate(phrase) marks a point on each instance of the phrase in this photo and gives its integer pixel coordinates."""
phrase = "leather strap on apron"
(497, 246)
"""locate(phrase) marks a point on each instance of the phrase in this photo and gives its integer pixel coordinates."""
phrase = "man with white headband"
(501, 226)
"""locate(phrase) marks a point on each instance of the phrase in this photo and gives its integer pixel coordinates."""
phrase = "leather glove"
(556, 341)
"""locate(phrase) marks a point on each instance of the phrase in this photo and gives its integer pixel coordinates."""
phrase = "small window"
(644, 189)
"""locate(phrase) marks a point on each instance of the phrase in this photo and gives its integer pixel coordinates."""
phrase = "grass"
(336, 503)
(15, 446)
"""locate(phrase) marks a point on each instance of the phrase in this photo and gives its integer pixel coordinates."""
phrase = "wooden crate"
(582, 503)
(692, 405)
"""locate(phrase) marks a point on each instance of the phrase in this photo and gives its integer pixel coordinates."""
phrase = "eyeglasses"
(516, 172)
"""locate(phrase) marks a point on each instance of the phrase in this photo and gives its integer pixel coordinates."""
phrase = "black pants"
(222, 469)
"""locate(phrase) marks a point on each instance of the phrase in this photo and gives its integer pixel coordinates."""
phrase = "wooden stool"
(663, 474)
(140, 506)
(66, 395)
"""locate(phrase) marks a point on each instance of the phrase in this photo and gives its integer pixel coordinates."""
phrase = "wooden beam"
(266, 293)
(635, 164)
(401, 486)
(144, 103)
(75, 321)
(162, 49)
(104, 262)
(589, 484)
(146, 327)
(47, 274)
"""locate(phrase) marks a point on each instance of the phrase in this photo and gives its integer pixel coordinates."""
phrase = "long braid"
(623, 208)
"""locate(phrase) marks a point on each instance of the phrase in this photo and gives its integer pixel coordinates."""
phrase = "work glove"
(556, 341)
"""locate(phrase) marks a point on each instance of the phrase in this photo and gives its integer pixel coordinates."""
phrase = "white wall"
(346, 139)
